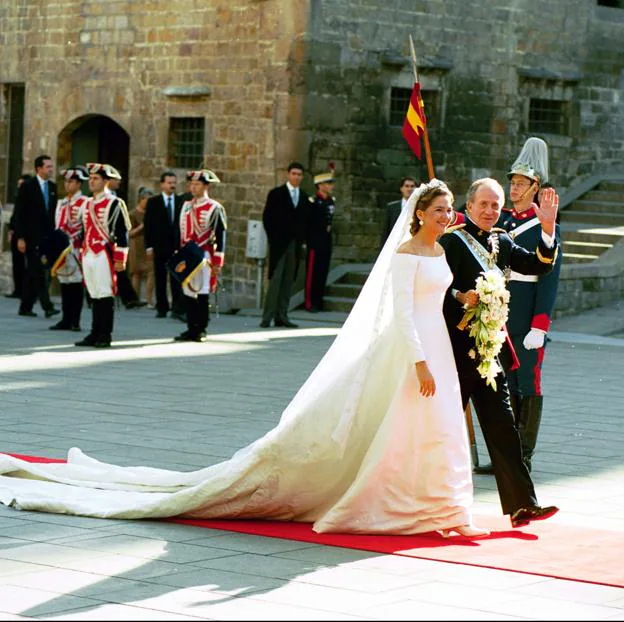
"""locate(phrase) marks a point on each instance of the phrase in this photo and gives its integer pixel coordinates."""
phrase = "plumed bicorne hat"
(205, 175)
(532, 162)
(105, 170)
(75, 172)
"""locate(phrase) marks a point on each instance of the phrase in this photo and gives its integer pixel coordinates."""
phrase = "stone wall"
(137, 62)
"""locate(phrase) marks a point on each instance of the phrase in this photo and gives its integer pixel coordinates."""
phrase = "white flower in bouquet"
(485, 322)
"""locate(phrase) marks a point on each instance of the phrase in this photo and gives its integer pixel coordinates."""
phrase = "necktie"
(170, 209)
(295, 196)
(46, 196)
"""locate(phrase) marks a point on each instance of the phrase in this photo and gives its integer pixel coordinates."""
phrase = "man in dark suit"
(162, 239)
(18, 263)
(394, 208)
(35, 206)
(472, 248)
(284, 218)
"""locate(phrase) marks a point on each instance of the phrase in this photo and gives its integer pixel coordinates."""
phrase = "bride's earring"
(421, 223)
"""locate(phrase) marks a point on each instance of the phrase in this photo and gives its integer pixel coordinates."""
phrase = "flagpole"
(430, 170)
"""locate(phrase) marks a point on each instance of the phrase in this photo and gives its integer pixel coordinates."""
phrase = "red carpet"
(544, 548)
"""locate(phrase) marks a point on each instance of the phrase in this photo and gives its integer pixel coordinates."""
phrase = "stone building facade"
(245, 86)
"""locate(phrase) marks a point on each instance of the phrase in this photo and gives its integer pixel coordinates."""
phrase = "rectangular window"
(186, 142)
(15, 153)
(399, 103)
(548, 116)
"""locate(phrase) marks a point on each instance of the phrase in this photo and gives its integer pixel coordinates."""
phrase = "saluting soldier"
(532, 297)
(472, 248)
(68, 218)
(319, 240)
(106, 224)
(203, 221)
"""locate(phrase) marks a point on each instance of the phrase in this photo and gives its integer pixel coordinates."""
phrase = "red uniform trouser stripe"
(537, 371)
(308, 285)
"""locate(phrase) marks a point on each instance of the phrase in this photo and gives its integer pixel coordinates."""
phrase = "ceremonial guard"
(203, 223)
(532, 297)
(104, 251)
(68, 218)
(319, 241)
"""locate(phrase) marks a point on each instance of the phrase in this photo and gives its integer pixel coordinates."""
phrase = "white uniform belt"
(527, 278)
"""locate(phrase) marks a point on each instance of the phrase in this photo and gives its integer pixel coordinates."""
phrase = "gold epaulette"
(454, 228)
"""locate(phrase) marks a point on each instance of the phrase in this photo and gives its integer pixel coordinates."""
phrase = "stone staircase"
(592, 223)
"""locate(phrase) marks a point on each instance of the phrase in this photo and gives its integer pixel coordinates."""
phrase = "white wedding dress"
(358, 449)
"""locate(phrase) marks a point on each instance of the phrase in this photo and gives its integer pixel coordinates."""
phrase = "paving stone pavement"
(151, 401)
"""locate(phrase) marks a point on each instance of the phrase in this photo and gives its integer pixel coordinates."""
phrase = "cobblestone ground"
(151, 401)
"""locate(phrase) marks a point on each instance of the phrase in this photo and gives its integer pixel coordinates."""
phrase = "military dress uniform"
(204, 222)
(319, 241)
(68, 218)
(106, 223)
(470, 251)
(531, 304)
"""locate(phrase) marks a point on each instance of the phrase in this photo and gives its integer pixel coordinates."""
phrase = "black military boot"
(529, 419)
(96, 321)
(107, 310)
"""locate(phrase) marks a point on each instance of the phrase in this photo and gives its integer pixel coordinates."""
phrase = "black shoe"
(486, 469)
(27, 313)
(60, 326)
(102, 343)
(89, 340)
(265, 324)
(179, 316)
(286, 324)
(161, 314)
(52, 312)
(201, 337)
(13, 295)
(312, 310)
(524, 516)
(135, 304)
(185, 336)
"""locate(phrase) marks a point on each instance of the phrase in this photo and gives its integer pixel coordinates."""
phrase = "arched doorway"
(95, 138)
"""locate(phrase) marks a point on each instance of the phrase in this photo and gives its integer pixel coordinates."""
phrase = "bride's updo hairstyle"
(431, 191)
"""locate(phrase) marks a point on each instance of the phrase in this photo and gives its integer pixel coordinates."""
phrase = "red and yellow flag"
(414, 124)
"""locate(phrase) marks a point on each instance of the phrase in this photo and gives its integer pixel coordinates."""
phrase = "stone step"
(611, 186)
(343, 290)
(612, 196)
(594, 218)
(336, 303)
(579, 258)
(589, 233)
(353, 278)
(593, 206)
(584, 247)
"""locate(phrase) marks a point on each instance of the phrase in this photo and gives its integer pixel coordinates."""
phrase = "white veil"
(346, 364)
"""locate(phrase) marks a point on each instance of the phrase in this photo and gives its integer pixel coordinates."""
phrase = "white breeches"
(70, 271)
(200, 283)
(97, 274)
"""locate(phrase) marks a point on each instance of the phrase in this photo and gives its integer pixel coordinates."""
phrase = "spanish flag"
(414, 124)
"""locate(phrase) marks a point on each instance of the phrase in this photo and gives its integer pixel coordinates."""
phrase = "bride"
(374, 442)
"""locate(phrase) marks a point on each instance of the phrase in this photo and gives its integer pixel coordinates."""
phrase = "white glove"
(534, 339)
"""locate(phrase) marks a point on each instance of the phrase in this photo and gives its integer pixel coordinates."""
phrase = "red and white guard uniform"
(203, 221)
(68, 218)
(103, 213)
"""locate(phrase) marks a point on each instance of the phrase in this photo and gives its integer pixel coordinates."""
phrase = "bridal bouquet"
(486, 323)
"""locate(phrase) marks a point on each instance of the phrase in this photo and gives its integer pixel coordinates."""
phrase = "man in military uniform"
(202, 221)
(319, 241)
(472, 248)
(106, 224)
(68, 218)
(532, 297)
